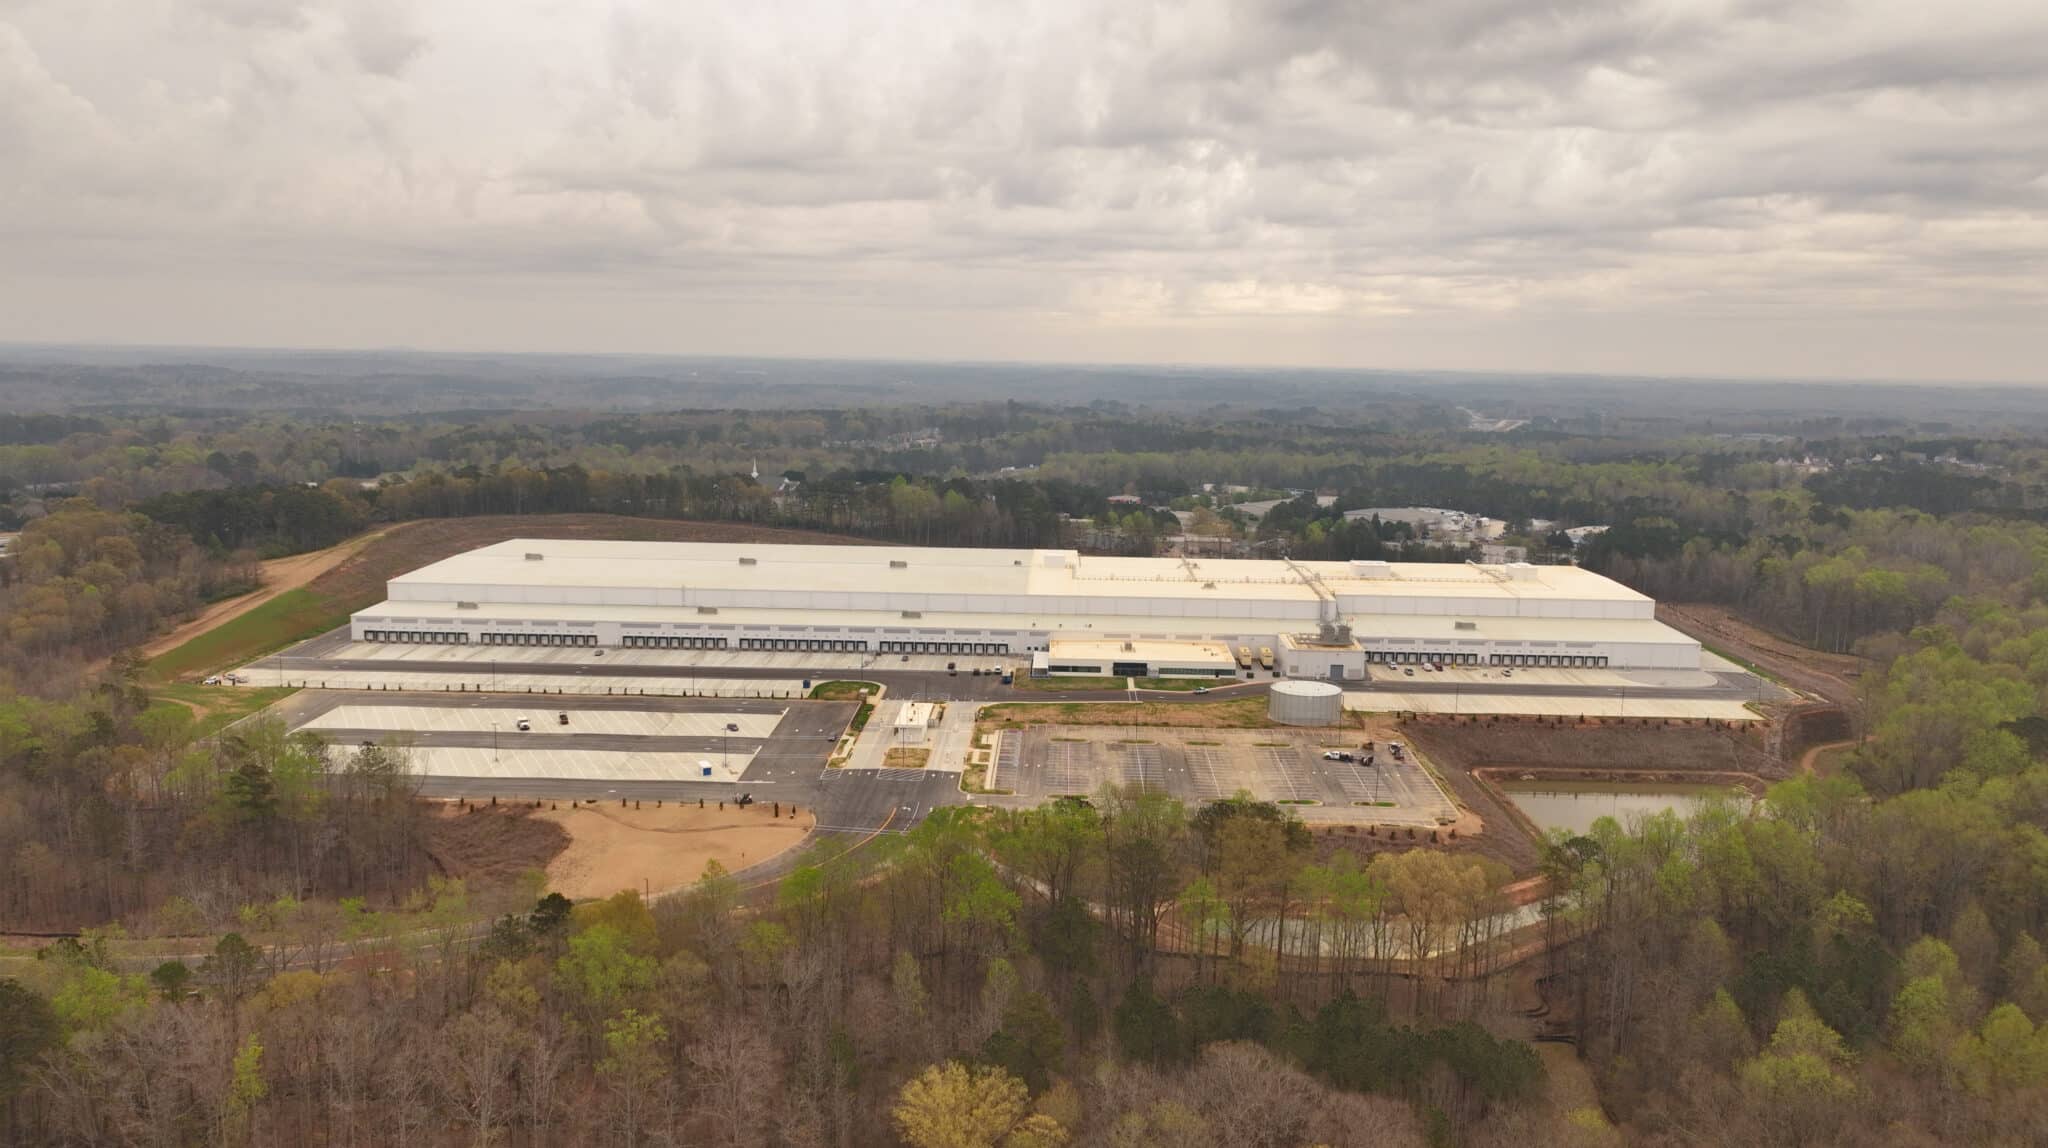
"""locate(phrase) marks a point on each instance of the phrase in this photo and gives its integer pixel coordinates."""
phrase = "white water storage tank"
(1305, 703)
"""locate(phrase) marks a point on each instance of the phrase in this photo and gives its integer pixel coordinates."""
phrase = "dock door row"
(670, 642)
(945, 647)
(538, 639)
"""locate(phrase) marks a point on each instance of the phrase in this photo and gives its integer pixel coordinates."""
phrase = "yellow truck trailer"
(1266, 656)
(1244, 657)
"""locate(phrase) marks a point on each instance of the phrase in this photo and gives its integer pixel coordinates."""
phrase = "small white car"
(523, 726)
(212, 681)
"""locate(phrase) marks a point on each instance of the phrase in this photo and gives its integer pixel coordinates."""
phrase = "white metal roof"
(586, 563)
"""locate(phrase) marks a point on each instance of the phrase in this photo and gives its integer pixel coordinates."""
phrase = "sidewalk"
(953, 738)
(873, 743)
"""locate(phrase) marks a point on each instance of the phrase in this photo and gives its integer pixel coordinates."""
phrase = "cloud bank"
(1825, 187)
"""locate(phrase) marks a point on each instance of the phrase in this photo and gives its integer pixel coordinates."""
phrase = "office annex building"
(1056, 610)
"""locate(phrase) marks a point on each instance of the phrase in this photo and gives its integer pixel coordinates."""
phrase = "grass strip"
(843, 691)
(292, 616)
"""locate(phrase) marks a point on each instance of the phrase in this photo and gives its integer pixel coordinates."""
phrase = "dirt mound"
(1684, 749)
(493, 844)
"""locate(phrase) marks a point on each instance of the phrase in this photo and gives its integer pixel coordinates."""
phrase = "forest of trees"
(1089, 967)
(116, 809)
(268, 954)
(82, 583)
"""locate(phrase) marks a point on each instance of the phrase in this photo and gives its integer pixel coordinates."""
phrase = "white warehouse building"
(1066, 612)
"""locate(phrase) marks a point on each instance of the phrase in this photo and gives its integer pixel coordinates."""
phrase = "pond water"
(1575, 805)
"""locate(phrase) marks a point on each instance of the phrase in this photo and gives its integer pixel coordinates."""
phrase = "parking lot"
(478, 739)
(1283, 765)
(477, 719)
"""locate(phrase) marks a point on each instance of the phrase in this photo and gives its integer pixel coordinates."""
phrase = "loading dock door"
(1336, 671)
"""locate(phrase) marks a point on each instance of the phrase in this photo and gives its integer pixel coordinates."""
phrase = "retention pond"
(1575, 805)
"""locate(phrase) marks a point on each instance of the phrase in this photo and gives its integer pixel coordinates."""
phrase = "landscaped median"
(867, 693)
(845, 691)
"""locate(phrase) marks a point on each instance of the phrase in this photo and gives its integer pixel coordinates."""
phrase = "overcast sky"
(1853, 188)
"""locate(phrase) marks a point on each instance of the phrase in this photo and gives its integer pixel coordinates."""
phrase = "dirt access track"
(278, 575)
(1831, 676)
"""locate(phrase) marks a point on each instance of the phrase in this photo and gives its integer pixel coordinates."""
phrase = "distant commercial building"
(1435, 523)
(1151, 617)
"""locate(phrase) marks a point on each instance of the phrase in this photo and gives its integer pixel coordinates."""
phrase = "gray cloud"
(1723, 186)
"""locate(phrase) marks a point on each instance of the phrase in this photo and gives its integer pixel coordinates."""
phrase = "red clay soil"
(1635, 747)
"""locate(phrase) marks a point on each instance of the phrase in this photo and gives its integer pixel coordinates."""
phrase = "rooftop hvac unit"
(465, 605)
(913, 613)
(1521, 571)
(750, 561)
(898, 564)
(1466, 625)
(532, 557)
(707, 609)
(1370, 568)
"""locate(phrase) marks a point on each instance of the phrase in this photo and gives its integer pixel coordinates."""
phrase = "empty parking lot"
(641, 739)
